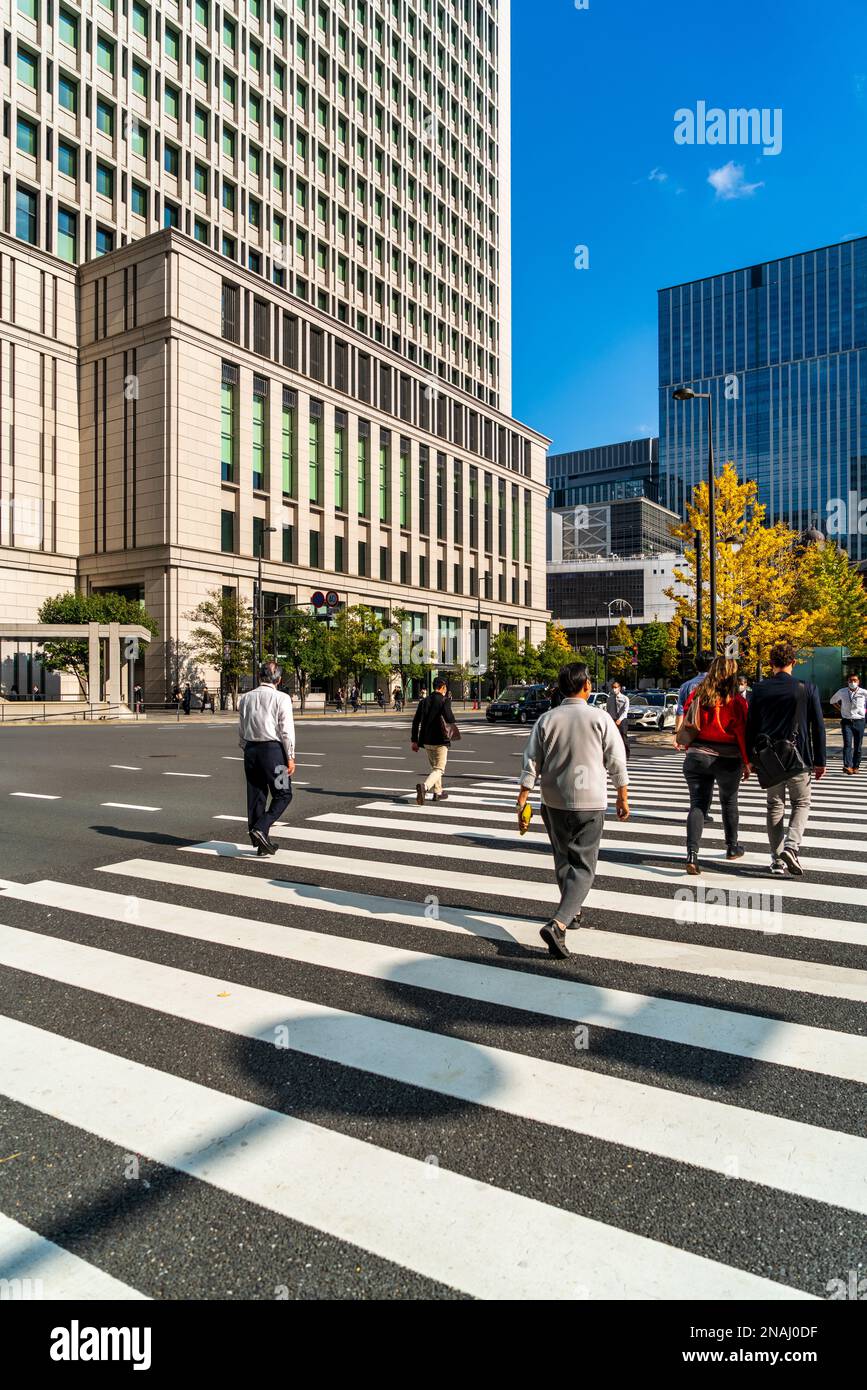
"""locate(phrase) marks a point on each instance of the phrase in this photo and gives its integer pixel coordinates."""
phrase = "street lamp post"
(259, 614)
(620, 603)
(686, 393)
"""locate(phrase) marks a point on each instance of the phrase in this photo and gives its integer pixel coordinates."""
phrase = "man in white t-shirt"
(851, 700)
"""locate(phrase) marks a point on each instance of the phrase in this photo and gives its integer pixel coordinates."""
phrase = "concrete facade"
(455, 495)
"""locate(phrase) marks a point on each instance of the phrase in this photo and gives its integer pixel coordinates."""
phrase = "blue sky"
(595, 164)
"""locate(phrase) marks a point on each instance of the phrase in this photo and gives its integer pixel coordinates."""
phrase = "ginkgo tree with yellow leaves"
(758, 571)
(833, 596)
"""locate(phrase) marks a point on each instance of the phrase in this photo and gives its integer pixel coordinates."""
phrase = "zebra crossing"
(359, 1049)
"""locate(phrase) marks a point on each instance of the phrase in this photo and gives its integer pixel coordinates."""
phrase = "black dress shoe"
(261, 842)
(735, 852)
(554, 938)
(692, 862)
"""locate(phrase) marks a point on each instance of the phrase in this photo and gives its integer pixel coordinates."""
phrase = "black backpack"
(776, 760)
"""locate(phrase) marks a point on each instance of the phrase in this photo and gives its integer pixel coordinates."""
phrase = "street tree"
(620, 664)
(757, 571)
(652, 640)
(553, 653)
(505, 661)
(832, 593)
(304, 643)
(70, 655)
(223, 638)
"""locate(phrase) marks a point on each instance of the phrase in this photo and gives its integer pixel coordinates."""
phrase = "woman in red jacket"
(717, 754)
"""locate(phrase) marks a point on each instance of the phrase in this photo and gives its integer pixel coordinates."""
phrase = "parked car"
(645, 716)
(651, 697)
(519, 703)
(599, 699)
(670, 709)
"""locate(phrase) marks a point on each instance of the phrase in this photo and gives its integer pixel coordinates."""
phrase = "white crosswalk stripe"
(455, 998)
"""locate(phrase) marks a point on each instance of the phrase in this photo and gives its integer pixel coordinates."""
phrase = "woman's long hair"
(718, 686)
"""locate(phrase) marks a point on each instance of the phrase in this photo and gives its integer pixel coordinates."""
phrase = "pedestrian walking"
(433, 728)
(785, 739)
(571, 749)
(398, 699)
(353, 699)
(266, 732)
(851, 700)
(187, 700)
(207, 699)
(339, 700)
(683, 694)
(744, 688)
(380, 699)
(618, 708)
(137, 699)
(713, 732)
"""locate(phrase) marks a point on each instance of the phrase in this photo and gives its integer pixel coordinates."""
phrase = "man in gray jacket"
(574, 749)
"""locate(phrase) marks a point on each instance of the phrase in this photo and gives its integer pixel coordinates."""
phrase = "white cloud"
(728, 182)
(657, 176)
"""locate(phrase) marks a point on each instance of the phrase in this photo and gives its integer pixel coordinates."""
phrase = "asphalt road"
(428, 1124)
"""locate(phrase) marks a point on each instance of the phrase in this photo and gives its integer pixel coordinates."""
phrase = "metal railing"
(92, 713)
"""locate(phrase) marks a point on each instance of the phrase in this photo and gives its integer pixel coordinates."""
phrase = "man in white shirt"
(266, 732)
(851, 700)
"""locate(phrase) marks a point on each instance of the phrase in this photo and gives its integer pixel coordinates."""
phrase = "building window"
(67, 27)
(290, 341)
(262, 327)
(200, 178)
(202, 232)
(384, 476)
(489, 513)
(67, 96)
(339, 461)
(288, 544)
(474, 508)
(528, 544)
(141, 84)
(259, 536)
(314, 539)
(260, 431)
(171, 215)
(104, 180)
(231, 320)
(105, 56)
(441, 497)
(229, 423)
(289, 442)
(172, 44)
(317, 354)
(28, 67)
(105, 119)
(104, 241)
(26, 218)
(141, 19)
(138, 200)
(27, 137)
(202, 123)
(363, 469)
(139, 139)
(363, 558)
(339, 555)
(404, 483)
(67, 159)
(384, 567)
(314, 453)
(67, 235)
(227, 531)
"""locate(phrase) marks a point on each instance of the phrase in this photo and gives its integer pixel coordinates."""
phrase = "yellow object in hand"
(524, 817)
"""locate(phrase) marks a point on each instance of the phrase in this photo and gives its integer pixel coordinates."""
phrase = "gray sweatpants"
(575, 837)
(798, 790)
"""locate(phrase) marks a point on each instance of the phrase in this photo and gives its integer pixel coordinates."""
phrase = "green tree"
(652, 641)
(832, 594)
(408, 650)
(553, 653)
(305, 644)
(620, 664)
(530, 661)
(223, 638)
(70, 655)
(671, 652)
(358, 644)
(504, 660)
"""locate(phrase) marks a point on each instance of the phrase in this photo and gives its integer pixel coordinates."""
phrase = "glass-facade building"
(781, 349)
(608, 473)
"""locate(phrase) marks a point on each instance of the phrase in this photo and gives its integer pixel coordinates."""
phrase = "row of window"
(507, 590)
(322, 355)
(440, 486)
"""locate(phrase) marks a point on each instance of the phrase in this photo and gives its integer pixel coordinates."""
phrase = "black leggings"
(701, 770)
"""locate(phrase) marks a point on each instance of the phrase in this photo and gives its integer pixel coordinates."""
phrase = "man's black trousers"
(265, 770)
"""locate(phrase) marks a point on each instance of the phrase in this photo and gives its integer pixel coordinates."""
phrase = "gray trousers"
(575, 837)
(799, 790)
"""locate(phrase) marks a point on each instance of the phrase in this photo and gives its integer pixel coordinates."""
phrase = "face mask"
(853, 685)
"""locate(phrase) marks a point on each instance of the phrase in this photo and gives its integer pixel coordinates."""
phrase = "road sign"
(318, 599)
(332, 598)
(615, 651)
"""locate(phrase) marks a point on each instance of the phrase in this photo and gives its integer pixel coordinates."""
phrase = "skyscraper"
(781, 348)
(257, 258)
